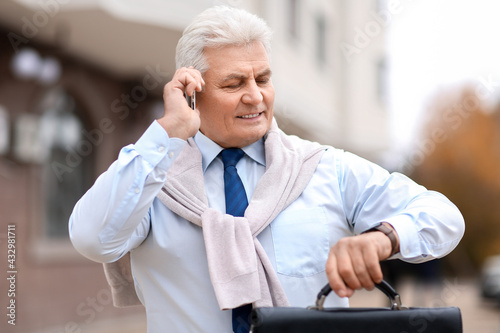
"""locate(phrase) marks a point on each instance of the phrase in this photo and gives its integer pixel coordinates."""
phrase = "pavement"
(478, 315)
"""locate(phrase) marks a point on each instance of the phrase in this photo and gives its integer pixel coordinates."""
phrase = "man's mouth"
(249, 116)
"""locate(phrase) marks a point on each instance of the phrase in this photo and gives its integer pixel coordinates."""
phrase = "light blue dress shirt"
(346, 196)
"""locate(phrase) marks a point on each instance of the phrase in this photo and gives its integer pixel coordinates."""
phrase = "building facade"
(81, 79)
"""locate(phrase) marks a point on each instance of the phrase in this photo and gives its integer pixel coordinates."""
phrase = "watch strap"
(389, 232)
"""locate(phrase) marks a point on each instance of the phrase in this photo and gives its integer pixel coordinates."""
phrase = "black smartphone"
(191, 100)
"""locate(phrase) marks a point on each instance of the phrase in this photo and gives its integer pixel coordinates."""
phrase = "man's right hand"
(179, 120)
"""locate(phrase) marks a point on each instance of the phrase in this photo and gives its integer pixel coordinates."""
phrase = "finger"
(193, 80)
(334, 278)
(189, 83)
(360, 270)
(191, 88)
(373, 268)
(348, 258)
(347, 270)
(198, 76)
(185, 79)
(366, 262)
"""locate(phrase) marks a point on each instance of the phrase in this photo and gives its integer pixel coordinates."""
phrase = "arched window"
(67, 172)
(53, 137)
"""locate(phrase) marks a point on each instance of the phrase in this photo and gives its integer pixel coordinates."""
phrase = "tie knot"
(231, 156)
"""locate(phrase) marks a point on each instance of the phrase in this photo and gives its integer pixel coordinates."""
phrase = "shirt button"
(161, 149)
(171, 154)
(137, 190)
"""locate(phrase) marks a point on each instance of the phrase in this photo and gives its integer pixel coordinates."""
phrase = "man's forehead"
(237, 60)
(243, 74)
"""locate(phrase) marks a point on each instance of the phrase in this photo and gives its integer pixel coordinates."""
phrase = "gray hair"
(219, 26)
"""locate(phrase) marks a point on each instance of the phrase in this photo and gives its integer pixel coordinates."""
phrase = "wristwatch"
(389, 232)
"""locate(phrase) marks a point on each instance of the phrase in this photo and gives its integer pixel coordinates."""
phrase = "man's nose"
(253, 94)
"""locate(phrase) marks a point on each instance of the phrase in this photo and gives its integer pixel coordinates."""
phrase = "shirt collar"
(210, 150)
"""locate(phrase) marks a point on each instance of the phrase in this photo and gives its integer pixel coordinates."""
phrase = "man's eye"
(233, 86)
(262, 81)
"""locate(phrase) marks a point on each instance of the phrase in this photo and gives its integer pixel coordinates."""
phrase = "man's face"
(236, 104)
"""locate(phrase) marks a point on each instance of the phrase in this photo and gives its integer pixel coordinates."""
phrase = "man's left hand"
(354, 262)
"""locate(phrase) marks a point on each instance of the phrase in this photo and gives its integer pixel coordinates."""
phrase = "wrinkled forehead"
(232, 61)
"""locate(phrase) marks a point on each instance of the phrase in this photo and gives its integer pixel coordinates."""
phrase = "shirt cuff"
(409, 243)
(157, 148)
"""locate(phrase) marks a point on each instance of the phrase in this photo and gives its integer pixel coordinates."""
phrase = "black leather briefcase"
(394, 319)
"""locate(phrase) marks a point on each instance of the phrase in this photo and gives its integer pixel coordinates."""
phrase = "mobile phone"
(191, 100)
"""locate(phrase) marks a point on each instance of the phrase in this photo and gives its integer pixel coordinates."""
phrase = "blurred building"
(329, 70)
(79, 79)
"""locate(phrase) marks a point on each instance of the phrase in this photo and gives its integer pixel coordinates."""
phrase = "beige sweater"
(239, 269)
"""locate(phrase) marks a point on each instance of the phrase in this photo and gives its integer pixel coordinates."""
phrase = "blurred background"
(411, 85)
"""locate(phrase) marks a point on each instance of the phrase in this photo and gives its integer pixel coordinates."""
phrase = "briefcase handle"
(383, 286)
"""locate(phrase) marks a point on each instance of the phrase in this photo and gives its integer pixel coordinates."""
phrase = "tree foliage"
(463, 162)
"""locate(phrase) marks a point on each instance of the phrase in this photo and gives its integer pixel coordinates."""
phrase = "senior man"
(297, 214)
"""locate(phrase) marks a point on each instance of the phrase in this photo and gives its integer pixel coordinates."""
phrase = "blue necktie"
(236, 203)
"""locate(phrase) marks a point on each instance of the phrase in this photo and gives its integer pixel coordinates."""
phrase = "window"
(56, 142)
(4, 131)
(382, 84)
(52, 140)
(66, 172)
(320, 39)
(293, 18)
